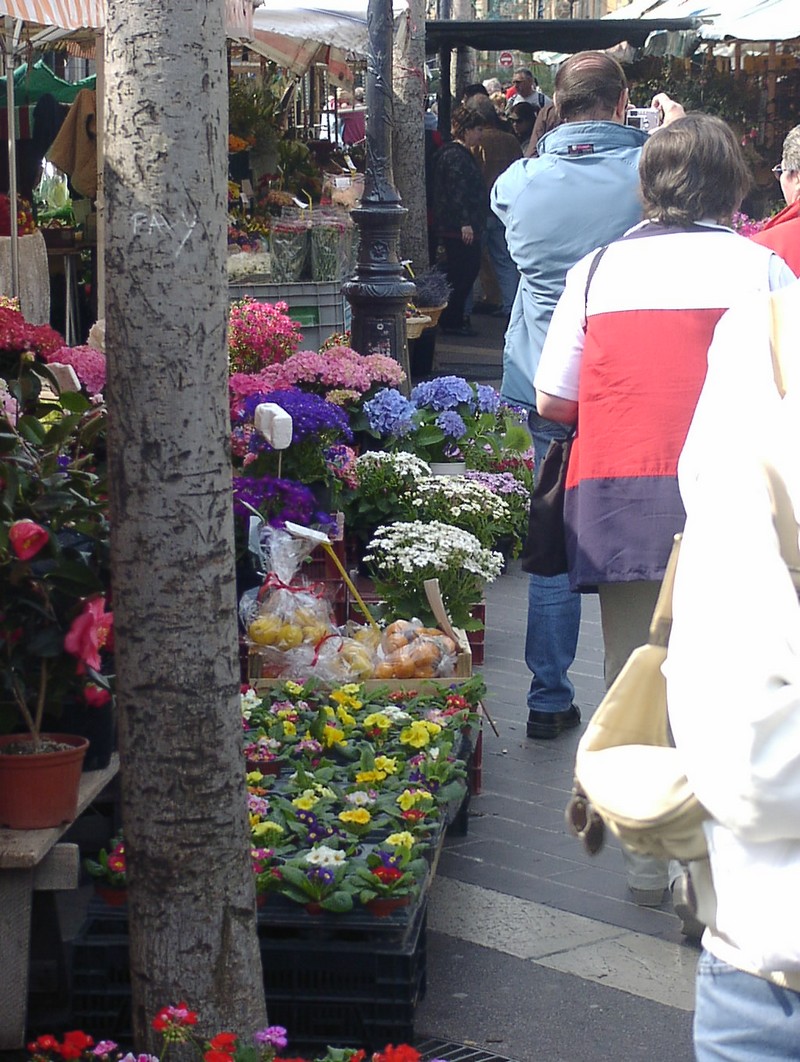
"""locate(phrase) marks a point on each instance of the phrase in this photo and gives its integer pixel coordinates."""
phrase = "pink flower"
(95, 696)
(27, 538)
(89, 365)
(90, 632)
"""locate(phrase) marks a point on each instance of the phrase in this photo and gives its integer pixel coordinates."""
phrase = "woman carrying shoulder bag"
(733, 680)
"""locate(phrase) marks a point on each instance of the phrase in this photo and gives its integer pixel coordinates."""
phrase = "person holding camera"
(581, 192)
(626, 363)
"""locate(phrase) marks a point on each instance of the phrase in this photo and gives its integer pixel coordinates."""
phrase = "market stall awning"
(721, 20)
(542, 34)
(296, 35)
(67, 14)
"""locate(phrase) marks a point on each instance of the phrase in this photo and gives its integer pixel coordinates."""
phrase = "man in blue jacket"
(580, 193)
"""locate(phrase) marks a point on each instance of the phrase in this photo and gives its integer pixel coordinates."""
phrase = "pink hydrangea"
(89, 365)
(243, 384)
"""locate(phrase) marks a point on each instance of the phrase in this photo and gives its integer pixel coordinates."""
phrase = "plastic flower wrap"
(402, 556)
(289, 249)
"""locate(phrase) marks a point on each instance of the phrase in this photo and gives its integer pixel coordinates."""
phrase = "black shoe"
(547, 725)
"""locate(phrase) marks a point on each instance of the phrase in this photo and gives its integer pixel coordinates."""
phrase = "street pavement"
(535, 952)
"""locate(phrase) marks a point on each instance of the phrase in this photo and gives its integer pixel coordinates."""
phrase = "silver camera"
(644, 118)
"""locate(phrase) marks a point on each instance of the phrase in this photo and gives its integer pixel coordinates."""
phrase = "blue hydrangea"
(445, 392)
(488, 399)
(390, 413)
(451, 424)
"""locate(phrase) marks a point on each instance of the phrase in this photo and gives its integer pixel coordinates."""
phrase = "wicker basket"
(434, 312)
(415, 326)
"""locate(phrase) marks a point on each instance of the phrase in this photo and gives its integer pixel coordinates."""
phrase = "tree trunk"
(466, 70)
(408, 143)
(191, 892)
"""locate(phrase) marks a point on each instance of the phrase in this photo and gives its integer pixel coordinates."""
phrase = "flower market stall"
(361, 712)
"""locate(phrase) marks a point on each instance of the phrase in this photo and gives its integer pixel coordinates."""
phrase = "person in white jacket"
(733, 685)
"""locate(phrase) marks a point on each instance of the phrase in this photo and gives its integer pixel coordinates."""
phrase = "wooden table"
(33, 860)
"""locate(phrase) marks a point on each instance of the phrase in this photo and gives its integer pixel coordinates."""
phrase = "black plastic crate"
(355, 971)
(361, 992)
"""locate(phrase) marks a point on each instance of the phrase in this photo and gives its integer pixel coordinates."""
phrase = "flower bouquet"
(289, 249)
(402, 556)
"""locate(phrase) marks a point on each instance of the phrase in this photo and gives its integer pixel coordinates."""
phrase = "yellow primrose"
(324, 791)
(331, 736)
(346, 699)
(344, 716)
(417, 735)
(360, 816)
(261, 829)
(330, 712)
(387, 764)
(401, 840)
(294, 688)
(289, 729)
(377, 721)
(306, 800)
(433, 728)
(366, 777)
(254, 777)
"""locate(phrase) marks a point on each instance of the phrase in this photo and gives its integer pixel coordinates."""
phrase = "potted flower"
(55, 630)
(402, 556)
(109, 872)
(392, 874)
(459, 501)
(318, 879)
(448, 422)
(259, 334)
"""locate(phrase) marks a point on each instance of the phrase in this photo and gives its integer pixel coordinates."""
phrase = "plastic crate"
(362, 992)
(319, 308)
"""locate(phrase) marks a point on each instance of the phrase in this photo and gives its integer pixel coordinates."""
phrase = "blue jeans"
(505, 270)
(742, 1018)
(554, 611)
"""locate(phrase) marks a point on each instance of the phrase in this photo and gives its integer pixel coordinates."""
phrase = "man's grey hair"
(524, 70)
(791, 151)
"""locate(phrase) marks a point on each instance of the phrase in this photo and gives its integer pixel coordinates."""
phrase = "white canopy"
(743, 20)
(296, 35)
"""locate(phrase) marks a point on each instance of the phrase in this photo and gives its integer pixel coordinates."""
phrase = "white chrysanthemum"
(402, 463)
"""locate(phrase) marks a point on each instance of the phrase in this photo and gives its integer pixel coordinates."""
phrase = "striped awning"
(67, 14)
(85, 14)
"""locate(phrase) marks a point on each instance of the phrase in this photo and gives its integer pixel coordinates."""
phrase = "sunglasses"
(584, 822)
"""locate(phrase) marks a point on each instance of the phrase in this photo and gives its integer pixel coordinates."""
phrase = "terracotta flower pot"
(39, 790)
(111, 895)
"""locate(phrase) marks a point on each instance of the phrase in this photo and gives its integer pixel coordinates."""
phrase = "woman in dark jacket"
(460, 203)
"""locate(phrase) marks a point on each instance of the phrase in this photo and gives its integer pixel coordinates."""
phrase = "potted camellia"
(55, 628)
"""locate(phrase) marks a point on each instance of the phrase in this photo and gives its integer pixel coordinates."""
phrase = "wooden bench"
(33, 860)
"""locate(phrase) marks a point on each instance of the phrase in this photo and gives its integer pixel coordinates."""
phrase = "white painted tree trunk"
(465, 67)
(408, 140)
(191, 892)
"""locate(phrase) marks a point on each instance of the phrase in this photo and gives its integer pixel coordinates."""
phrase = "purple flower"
(389, 413)
(278, 500)
(488, 399)
(320, 875)
(451, 424)
(311, 415)
(445, 392)
(273, 1036)
(104, 1047)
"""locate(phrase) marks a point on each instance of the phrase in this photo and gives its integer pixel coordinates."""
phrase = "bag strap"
(783, 515)
(661, 623)
(776, 347)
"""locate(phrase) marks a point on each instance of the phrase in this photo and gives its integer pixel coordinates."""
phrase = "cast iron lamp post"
(378, 292)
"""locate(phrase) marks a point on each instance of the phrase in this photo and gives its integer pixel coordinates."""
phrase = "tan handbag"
(628, 776)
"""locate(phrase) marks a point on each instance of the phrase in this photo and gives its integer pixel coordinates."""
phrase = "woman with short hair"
(625, 359)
